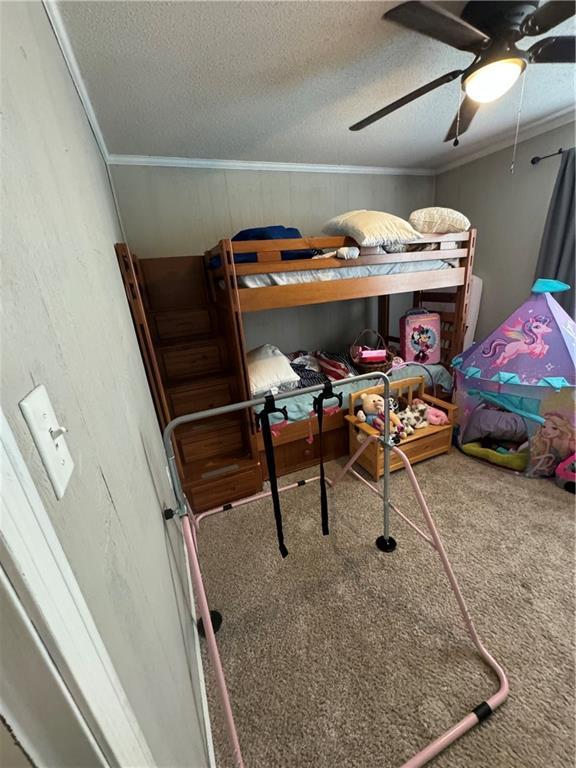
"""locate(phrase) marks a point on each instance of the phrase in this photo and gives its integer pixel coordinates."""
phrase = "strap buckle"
(270, 407)
(326, 394)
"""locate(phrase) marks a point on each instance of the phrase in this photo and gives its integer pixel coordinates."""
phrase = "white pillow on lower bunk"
(371, 228)
(439, 221)
(269, 368)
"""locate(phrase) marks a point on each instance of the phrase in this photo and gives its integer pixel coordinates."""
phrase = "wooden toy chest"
(423, 444)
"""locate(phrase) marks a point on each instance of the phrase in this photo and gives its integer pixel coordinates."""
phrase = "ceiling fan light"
(491, 81)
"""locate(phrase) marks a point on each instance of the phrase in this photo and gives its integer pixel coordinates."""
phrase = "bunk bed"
(257, 275)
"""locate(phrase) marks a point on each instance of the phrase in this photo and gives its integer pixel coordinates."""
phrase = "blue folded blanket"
(275, 232)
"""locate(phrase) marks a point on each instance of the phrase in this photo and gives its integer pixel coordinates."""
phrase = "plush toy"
(402, 403)
(434, 416)
(371, 412)
(414, 416)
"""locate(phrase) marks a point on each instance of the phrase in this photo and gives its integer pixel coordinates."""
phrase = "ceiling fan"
(490, 30)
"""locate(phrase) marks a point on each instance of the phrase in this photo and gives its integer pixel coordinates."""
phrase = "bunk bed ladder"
(454, 323)
(136, 295)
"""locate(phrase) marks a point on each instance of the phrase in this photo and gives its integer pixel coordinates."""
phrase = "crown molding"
(258, 165)
(55, 19)
(493, 145)
(498, 143)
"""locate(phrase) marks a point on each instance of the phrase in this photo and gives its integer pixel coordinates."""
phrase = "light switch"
(48, 434)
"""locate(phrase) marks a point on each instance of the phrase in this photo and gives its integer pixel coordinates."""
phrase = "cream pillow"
(337, 225)
(269, 368)
(371, 228)
(439, 221)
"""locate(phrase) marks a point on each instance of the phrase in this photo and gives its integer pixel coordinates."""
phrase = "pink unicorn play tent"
(516, 389)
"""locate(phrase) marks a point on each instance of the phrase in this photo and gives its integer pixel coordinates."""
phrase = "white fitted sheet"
(346, 273)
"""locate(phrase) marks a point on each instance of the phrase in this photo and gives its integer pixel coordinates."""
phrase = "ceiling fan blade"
(436, 22)
(554, 50)
(548, 16)
(447, 78)
(468, 109)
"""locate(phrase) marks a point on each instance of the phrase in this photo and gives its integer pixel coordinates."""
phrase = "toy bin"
(423, 444)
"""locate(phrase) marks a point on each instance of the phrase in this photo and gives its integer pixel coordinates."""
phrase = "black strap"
(264, 419)
(326, 394)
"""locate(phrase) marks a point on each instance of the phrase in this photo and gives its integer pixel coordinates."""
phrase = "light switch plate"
(46, 433)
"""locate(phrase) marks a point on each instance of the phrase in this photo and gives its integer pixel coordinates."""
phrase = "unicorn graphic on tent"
(516, 389)
(527, 338)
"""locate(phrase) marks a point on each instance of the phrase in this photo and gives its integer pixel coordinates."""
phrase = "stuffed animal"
(434, 416)
(371, 412)
(414, 416)
(402, 403)
(397, 404)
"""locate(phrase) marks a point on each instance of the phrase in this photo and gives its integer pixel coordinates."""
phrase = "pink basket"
(369, 366)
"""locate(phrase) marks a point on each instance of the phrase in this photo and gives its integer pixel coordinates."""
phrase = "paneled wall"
(66, 324)
(179, 211)
(509, 211)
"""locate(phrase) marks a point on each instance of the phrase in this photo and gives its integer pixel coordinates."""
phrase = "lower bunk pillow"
(268, 370)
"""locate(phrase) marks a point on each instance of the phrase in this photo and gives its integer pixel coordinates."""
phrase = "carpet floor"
(340, 655)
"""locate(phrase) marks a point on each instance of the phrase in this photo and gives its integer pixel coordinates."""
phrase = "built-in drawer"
(185, 361)
(300, 454)
(227, 483)
(192, 398)
(214, 437)
(181, 323)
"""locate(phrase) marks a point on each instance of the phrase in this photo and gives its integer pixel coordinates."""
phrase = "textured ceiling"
(282, 81)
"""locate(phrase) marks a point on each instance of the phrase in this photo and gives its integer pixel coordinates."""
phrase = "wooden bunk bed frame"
(293, 452)
(269, 259)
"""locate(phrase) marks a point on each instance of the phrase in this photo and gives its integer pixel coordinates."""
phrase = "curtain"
(558, 246)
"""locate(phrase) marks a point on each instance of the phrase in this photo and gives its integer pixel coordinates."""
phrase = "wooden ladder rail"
(238, 339)
(454, 324)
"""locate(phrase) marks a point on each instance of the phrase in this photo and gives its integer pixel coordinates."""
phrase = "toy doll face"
(550, 431)
(552, 428)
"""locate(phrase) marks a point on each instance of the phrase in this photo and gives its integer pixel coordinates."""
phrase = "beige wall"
(66, 324)
(177, 211)
(509, 211)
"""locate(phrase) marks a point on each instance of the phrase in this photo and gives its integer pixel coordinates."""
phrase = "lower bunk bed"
(295, 437)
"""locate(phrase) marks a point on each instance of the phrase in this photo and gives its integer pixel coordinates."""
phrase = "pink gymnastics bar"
(191, 528)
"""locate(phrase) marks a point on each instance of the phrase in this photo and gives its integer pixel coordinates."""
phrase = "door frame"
(44, 584)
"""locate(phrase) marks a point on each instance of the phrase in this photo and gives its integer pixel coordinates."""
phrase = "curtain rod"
(535, 160)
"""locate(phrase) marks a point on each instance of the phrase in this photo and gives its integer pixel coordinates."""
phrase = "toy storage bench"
(423, 444)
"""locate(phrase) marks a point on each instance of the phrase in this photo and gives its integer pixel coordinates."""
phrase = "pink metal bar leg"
(190, 539)
(347, 467)
(468, 722)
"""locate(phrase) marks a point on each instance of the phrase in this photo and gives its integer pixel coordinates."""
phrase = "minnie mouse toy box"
(420, 336)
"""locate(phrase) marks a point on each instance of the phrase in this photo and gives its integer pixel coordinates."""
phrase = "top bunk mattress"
(267, 279)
